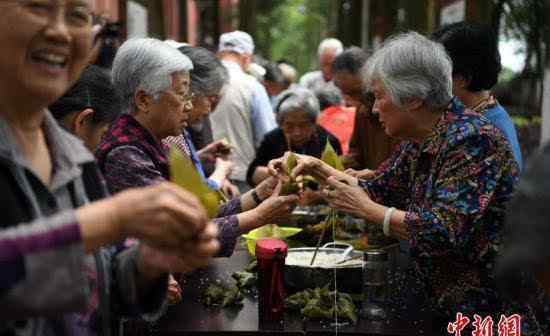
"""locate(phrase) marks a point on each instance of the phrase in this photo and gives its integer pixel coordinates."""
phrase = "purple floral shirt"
(454, 188)
(128, 166)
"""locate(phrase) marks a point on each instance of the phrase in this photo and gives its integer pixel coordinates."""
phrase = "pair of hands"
(340, 189)
(275, 208)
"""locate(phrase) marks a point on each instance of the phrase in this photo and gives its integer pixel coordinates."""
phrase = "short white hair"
(297, 99)
(330, 44)
(146, 64)
(410, 66)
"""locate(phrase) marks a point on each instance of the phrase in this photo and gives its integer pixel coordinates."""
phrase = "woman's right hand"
(164, 216)
(275, 209)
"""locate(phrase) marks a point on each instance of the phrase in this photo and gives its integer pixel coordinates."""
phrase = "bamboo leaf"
(184, 174)
(331, 158)
(291, 163)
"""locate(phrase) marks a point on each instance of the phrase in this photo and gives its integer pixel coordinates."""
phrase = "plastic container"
(271, 254)
(375, 284)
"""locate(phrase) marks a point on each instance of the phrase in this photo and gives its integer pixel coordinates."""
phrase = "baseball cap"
(236, 41)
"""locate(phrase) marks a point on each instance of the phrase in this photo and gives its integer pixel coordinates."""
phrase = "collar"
(230, 65)
(432, 143)
(67, 151)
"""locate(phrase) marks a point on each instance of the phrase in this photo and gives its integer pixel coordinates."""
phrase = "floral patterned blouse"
(454, 187)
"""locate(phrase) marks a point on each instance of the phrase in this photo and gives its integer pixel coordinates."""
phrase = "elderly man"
(328, 50)
(244, 114)
(369, 144)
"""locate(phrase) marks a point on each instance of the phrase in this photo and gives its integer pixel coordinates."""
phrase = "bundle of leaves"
(244, 279)
(222, 296)
(319, 303)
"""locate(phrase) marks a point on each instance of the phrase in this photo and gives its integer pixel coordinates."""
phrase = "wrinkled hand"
(229, 189)
(193, 254)
(362, 174)
(214, 150)
(164, 216)
(266, 187)
(348, 198)
(276, 209)
(306, 165)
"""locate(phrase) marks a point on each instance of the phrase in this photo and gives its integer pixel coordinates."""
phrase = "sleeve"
(228, 227)
(127, 167)
(390, 185)
(41, 264)
(474, 175)
(262, 117)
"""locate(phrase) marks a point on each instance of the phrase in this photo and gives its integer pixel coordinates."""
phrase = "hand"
(275, 209)
(152, 262)
(361, 174)
(266, 187)
(174, 290)
(215, 149)
(348, 198)
(229, 189)
(164, 216)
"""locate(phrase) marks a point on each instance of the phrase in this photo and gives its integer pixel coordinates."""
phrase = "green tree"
(291, 29)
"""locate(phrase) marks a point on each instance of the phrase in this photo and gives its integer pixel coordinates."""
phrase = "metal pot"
(348, 277)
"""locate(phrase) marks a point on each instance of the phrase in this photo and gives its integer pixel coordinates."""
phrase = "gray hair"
(297, 99)
(411, 66)
(330, 44)
(146, 64)
(208, 75)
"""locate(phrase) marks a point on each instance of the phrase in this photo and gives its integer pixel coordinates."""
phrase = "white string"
(335, 284)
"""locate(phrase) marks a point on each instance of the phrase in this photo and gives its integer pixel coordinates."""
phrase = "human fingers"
(351, 172)
(336, 184)
(275, 166)
(184, 207)
(210, 232)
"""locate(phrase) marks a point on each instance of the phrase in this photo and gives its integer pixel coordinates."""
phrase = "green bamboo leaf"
(184, 174)
(291, 163)
(331, 158)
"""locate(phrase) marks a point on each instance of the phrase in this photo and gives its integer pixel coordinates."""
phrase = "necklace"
(483, 104)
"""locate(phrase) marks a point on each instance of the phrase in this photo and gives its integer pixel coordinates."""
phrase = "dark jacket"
(274, 145)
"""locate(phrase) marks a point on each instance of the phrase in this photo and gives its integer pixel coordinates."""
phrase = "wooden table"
(191, 318)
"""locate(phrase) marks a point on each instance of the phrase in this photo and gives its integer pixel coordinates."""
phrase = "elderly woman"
(297, 111)
(89, 107)
(58, 275)
(207, 80)
(473, 49)
(445, 189)
(153, 79)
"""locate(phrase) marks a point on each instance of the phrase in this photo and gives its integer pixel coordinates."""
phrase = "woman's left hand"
(348, 198)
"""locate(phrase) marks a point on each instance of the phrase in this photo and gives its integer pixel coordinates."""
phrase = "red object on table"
(271, 254)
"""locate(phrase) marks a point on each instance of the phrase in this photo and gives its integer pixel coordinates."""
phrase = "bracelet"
(255, 197)
(387, 219)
